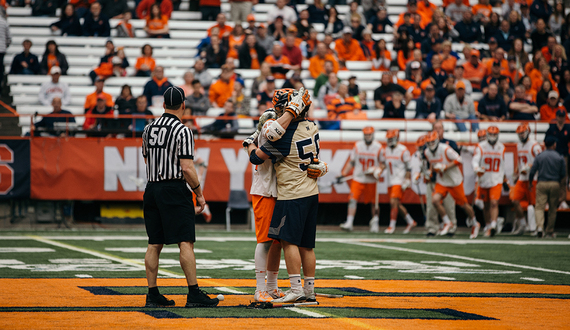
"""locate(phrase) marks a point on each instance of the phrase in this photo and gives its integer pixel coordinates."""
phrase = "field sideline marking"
(456, 257)
(305, 312)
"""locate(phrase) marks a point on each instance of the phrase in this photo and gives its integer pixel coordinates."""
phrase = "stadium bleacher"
(177, 56)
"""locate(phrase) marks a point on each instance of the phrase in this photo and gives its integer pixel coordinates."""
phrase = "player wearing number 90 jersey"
(365, 160)
(489, 164)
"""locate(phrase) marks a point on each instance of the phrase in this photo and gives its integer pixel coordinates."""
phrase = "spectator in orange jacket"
(224, 30)
(474, 71)
(143, 9)
(222, 89)
(317, 62)
(145, 64)
(347, 48)
(548, 110)
(548, 50)
(91, 99)
(280, 64)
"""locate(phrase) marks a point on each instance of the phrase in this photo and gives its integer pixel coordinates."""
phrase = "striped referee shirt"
(166, 141)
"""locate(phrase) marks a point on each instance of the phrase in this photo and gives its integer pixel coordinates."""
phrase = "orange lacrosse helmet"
(492, 134)
(482, 135)
(523, 132)
(393, 136)
(281, 98)
(432, 140)
(421, 143)
(368, 132)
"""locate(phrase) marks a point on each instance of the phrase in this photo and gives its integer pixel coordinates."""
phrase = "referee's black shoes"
(158, 301)
(198, 298)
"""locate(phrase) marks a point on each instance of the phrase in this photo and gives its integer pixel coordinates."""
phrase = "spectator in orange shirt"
(279, 63)
(235, 40)
(156, 23)
(448, 59)
(482, 11)
(426, 9)
(125, 28)
(448, 2)
(251, 53)
(474, 70)
(412, 9)
(224, 30)
(343, 104)
(145, 64)
(514, 73)
(347, 48)
(317, 62)
(498, 56)
(381, 57)
(529, 92)
(222, 89)
(405, 54)
(548, 110)
(91, 99)
(144, 8)
(549, 48)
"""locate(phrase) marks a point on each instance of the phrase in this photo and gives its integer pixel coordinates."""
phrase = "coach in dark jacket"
(25, 62)
(96, 24)
(492, 106)
(245, 51)
(428, 106)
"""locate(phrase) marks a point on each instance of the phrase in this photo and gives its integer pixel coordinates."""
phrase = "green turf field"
(108, 254)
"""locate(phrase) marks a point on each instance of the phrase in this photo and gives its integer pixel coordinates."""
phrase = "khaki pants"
(432, 218)
(547, 192)
(240, 10)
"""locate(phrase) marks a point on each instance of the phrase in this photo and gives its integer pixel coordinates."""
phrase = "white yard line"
(334, 240)
(305, 312)
(124, 261)
(444, 278)
(457, 257)
(228, 290)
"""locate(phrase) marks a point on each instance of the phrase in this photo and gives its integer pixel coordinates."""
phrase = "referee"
(168, 151)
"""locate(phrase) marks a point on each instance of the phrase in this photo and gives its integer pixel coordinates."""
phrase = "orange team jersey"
(490, 194)
(484, 10)
(221, 91)
(548, 113)
(317, 65)
(448, 2)
(223, 30)
(156, 24)
(411, 87)
(284, 60)
(149, 61)
(91, 100)
(402, 61)
(233, 43)
(338, 108)
(504, 66)
(448, 64)
(263, 211)
(254, 59)
(474, 72)
(380, 64)
(351, 52)
(362, 192)
(52, 61)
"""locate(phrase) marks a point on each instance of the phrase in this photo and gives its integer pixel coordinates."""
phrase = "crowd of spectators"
(440, 78)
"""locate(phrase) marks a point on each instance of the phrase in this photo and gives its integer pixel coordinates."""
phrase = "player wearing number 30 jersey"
(365, 160)
(489, 164)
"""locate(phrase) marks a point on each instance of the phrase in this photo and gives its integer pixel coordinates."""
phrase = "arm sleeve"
(406, 158)
(277, 150)
(185, 142)
(476, 161)
(451, 154)
(144, 143)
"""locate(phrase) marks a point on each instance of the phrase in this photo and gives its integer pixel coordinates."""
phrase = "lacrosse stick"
(269, 305)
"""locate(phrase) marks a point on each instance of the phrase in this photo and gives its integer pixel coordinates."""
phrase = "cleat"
(200, 299)
(276, 293)
(309, 296)
(409, 227)
(468, 223)
(519, 231)
(492, 231)
(158, 301)
(430, 234)
(500, 224)
(563, 206)
(390, 230)
(207, 214)
(550, 236)
(345, 226)
(291, 297)
(475, 230)
(262, 296)
(534, 233)
(487, 232)
(374, 227)
(445, 229)
(539, 233)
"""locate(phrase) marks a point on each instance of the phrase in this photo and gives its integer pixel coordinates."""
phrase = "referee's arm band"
(254, 158)
(186, 157)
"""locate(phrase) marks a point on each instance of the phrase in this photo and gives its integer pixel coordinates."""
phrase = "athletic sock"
(375, 218)
(522, 222)
(193, 289)
(309, 284)
(474, 221)
(271, 280)
(392, 223)
(153, 291)
(445, 219)
(295, 281)
(259, 280)
(349, 220)
(409, 219)
(494, 224)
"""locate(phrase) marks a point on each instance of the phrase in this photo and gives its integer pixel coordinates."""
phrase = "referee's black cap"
(174, 96)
